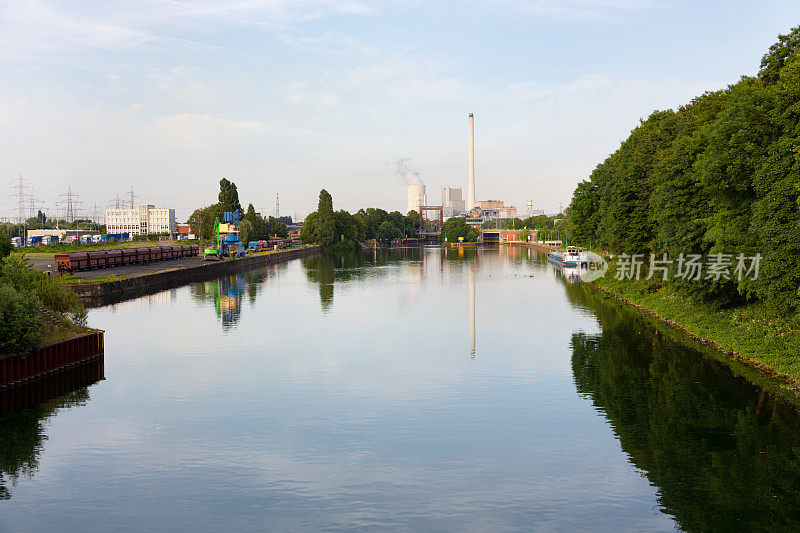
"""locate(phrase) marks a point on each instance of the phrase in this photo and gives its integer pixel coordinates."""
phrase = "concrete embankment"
(106, 292)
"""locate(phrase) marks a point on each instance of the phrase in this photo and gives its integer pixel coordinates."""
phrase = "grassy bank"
(752, 333)
(69, 279)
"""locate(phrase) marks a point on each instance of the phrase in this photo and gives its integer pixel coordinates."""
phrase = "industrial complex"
(476, 212)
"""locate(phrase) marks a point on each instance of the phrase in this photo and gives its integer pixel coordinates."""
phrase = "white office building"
(141, 220)
(452, 202)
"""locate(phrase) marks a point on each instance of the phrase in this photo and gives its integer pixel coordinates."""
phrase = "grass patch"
(752, 331)
(69, 279)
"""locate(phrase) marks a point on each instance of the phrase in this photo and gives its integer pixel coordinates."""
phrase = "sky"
(291, 96)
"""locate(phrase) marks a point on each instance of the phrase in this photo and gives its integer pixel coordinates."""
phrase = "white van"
(97, 238)
(16, 242)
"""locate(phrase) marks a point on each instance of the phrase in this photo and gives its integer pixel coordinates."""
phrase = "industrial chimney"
(471, 164)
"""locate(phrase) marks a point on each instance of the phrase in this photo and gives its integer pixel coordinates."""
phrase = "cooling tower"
(416, 197)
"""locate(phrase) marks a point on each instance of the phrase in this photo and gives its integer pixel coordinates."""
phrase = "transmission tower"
(20, 191)
(70, 202)
(94, 219)
(116, 203)
(133, 196)
(33, 206)
(277, 206)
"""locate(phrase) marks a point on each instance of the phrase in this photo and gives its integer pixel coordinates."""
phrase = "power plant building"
(141, 220)
(452, 202)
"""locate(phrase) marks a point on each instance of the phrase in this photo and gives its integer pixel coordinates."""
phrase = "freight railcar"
(75, 261)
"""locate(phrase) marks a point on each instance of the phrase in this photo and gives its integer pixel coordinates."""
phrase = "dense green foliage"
(343, 231)
(253, 227)
(228, 196)
(24, 293)
(202, 220)
(326, 222)
(456, 229)
(541, 222)
(719, 175)
(20, 324)
(385, 226)
(333, 231)
(5, 245)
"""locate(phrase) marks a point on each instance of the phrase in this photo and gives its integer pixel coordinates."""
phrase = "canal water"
(403, 390)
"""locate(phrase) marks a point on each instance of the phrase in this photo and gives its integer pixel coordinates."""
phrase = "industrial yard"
(46, 263)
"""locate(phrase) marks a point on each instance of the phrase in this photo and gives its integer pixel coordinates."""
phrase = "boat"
(573, 257)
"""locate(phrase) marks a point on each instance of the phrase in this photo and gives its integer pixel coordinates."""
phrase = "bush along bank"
(753, 333)
(34, 309)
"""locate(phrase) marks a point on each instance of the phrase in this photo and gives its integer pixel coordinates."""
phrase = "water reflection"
(325, 270)
(25, 410)
(722, 451)
(227, 293)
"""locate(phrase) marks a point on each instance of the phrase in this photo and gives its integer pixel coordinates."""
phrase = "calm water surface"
(411, 390)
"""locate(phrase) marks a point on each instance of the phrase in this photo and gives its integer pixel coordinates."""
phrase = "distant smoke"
(407, 175)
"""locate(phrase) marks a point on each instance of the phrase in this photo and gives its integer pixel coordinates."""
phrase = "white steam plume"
(408, 175)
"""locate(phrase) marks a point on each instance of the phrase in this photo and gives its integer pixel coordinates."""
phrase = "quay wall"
(50, 358)
(107, 292)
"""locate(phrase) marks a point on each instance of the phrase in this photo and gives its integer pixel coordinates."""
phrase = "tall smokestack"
(471, 163)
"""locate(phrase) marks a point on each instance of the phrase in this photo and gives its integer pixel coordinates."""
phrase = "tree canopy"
(228, 196)
(719, 175)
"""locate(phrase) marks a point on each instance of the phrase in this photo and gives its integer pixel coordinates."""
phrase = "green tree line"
(253, 226)
(340, 230)
(719, 175)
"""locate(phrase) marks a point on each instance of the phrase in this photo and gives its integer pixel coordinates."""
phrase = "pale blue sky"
(292, 96)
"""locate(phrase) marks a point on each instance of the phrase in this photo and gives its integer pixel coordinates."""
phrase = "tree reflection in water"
(723, 452)
(326, 269)
(24, 412)
(227, 293)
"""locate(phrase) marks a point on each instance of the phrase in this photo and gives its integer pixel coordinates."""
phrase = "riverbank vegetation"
(720, 175)
(34, 308)
(341, 231)
(456, 229)
(755, 332)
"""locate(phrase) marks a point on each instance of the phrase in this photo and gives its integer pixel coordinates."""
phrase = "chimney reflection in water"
(472, 310)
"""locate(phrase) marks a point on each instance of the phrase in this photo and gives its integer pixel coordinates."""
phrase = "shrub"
(20, 323)
(18, 273)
